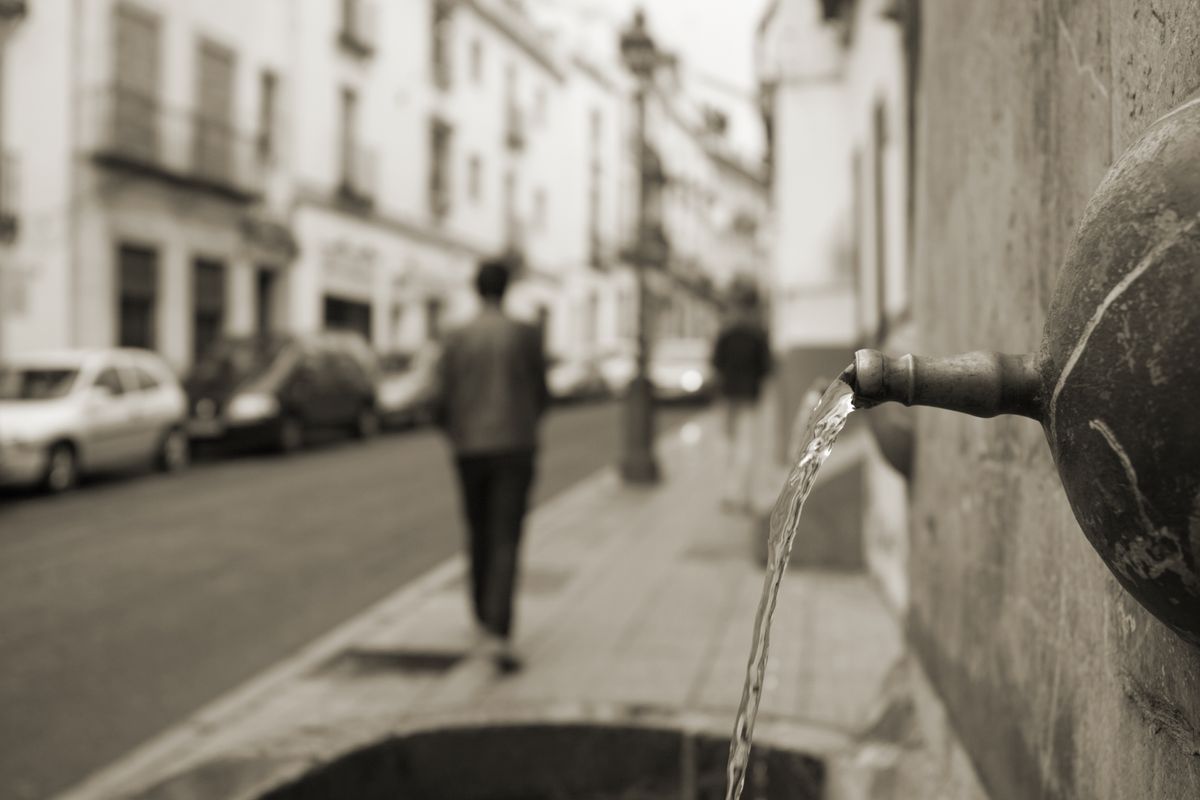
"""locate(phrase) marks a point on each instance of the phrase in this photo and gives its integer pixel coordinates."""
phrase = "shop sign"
(268, 239)
(348, 266)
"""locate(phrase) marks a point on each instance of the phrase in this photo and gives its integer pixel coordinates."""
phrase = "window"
(880, 216)
(539, 208)
(109, 379)
(357, 27)
(539, 105)
(265, 301)
(135, 96)
(510, 205)
(439, 168)
(514, 127)
(208, 304)
(596, 127)
(268, 87)
(213, 136)
(475, 178)
(442, 42)
(349, 113)
(595, 181)
(477, 61)
(433, 318)
(137, 296)
(348, 315)
(397, 325)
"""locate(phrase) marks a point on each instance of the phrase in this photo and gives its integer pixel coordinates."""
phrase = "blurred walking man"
(493, 392)
(742, 359)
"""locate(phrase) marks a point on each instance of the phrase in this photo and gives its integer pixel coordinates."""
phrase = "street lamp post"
(638, 462)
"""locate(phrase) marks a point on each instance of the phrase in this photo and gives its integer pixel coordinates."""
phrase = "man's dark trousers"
(495, 494)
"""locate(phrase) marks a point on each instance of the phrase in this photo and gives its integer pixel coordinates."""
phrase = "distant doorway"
(264, 301)
(348, 315)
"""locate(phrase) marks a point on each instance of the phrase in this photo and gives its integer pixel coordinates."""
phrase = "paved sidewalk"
(635, 605)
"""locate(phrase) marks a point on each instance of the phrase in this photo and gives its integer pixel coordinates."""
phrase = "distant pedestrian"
(742, 359)
(492, 395)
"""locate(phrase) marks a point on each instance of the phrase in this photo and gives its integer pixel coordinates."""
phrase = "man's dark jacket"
(493, 385)
(742, 358)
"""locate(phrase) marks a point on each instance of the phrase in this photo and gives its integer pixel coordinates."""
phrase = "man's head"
(491, 281)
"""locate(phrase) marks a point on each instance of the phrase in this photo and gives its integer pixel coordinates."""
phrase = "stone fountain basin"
(530, 761)
(527, 760)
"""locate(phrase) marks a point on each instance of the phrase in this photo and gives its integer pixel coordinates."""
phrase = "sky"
(714, 38)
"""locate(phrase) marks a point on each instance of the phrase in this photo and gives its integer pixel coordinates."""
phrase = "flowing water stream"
(825, 423)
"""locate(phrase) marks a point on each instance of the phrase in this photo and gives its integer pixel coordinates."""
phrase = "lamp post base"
(638, 464)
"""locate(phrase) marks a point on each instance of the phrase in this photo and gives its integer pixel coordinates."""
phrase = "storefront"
(397, 289)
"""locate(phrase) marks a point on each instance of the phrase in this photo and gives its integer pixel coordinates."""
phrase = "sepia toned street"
(125, 606)
(599, 400)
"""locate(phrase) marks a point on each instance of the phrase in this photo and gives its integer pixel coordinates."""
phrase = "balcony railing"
(442, 44)
(357, 184)
(357, 33)
(131, 131)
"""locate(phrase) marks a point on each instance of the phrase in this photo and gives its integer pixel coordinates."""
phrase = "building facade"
(147, 148)
(197, 170)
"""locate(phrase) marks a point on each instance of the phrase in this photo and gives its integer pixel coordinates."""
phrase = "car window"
(235, 361)
(36, 383)
(111, 380)
(397, 362)
(345, 368)
(145, 380)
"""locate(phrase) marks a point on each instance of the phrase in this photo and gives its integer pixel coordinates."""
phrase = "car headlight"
(249, 407)
(691, 380)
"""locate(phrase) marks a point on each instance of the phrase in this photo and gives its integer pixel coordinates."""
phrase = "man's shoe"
(506, 659)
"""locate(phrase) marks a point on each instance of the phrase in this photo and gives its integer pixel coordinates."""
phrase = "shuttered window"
(137, 293)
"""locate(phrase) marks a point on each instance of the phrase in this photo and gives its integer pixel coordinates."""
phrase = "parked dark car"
(273, 391)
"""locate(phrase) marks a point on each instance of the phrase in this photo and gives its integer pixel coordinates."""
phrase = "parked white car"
(680, 369)
(408, 386)
(68, 413)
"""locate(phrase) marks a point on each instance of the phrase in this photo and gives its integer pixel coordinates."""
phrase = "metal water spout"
(1116, 382)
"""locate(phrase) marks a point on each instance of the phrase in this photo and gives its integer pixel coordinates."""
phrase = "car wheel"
(62, 469)
(174, 453)
(291, 435)
(366, 423)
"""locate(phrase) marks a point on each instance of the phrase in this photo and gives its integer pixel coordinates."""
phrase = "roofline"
(768, 15)
(519, 37)
(593, 72)
(743, 170)
(706, 145)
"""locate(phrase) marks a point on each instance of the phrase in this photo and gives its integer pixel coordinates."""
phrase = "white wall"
(35, 268)
(825, 100)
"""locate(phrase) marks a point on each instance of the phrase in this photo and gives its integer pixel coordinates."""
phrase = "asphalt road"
(130, 603)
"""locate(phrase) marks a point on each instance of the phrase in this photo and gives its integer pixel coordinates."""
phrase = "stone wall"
(1056, 682)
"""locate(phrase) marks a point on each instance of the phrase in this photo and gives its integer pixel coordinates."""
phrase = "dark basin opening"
(552, 762)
